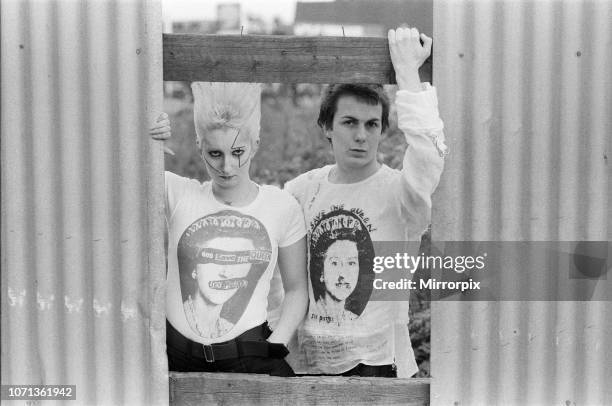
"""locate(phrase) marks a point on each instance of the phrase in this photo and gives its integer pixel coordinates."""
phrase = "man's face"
(341, 269)
(356, 132)
(217, 282)
(227, 153)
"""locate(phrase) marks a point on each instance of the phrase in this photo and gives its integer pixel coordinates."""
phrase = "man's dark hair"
(371, 94)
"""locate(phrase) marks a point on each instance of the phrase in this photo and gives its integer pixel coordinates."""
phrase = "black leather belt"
(237, 349)
(251, 343)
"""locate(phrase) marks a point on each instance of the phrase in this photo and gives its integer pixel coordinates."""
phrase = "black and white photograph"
(309, 202)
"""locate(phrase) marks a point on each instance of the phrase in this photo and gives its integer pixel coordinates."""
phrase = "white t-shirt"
(221, 258)
(344, 222)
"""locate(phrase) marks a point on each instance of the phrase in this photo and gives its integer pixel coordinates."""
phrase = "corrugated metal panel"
(525, 90)
(82, 199)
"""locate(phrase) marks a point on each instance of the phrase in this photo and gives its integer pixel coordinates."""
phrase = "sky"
(174, 10)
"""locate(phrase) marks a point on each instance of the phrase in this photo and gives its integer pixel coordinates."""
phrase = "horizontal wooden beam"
(278, 59)
(247, 389)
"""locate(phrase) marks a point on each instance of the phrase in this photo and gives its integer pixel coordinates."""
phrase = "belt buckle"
(209, 353)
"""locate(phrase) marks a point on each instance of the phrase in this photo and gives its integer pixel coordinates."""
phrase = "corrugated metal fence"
(525, 90)
(82, 276)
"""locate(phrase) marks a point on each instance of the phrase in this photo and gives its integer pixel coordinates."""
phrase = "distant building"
(367, 18)
(195, 27)
(231, 20)
(228, 15)
(228, 21)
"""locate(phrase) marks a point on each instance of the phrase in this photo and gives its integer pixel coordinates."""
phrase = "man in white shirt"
(353, 204)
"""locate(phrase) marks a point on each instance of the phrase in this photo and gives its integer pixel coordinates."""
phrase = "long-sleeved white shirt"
(347, 224)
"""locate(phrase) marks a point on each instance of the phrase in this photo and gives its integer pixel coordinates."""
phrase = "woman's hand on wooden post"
(161, 130)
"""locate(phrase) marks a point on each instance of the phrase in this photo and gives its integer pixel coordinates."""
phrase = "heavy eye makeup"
(214, 154)
(219, 154)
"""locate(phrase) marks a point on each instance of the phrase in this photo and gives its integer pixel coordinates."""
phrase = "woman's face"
(227, 153)
(341, 269)
(219, 282)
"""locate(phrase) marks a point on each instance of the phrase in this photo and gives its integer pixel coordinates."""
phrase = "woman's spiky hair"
(232, 105)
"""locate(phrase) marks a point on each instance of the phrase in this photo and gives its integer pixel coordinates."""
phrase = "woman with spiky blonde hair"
(225, 237)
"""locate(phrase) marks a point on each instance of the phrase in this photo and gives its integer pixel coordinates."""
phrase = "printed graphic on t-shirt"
(340, 267)
(221, 258)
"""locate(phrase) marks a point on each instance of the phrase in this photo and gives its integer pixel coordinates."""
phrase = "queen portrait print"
(340, 266)
(221, 258)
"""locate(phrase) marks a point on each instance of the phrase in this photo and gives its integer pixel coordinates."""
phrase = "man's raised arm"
(418, 118)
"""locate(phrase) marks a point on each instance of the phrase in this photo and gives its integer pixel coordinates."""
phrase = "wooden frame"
(285, 59)
(279, 59)
(246, 389)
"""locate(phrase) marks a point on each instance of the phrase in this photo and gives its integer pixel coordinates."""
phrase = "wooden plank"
(252, 389)
(279, 59)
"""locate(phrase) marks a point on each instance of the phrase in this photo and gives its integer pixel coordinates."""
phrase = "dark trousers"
(386, 371)
(383, 371)
(181, 356)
